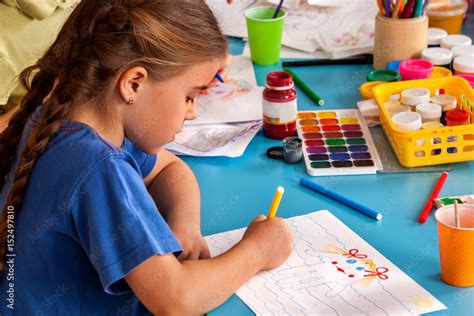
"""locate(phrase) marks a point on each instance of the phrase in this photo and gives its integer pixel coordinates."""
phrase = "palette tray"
(337, 142)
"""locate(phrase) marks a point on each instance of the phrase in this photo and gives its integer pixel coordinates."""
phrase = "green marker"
(311, 94)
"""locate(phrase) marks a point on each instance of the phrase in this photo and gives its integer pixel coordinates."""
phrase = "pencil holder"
(399, 39)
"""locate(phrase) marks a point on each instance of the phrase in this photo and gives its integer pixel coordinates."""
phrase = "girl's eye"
(188, 99)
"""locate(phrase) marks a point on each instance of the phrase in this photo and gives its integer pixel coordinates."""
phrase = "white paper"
(332, 271)
(338, 30)
(209, 140)
(288, 52)
(239, 99)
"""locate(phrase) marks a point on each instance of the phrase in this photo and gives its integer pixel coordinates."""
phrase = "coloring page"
(332, 271)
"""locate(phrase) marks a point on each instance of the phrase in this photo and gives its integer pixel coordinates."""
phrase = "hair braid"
(99, 41)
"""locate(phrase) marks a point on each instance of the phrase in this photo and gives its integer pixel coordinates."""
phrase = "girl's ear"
(131, 83)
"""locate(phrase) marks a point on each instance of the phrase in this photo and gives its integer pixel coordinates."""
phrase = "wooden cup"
(399, 39)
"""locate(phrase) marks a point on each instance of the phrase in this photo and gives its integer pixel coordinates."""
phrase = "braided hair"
(99, 41)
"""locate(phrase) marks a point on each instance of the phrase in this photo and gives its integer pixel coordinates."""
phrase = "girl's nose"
(191, 113)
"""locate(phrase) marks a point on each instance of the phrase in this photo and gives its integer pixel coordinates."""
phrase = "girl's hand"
(222, 71)
(194, 245)
(273, 239)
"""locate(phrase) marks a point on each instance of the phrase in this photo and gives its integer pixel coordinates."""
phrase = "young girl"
(97, 218)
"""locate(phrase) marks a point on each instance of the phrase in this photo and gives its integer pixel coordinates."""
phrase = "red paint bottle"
(279, 105)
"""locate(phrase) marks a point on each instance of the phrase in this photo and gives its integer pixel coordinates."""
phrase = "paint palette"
(337, 142)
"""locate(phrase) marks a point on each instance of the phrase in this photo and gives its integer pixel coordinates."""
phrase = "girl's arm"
(166, 286)
(175, 190)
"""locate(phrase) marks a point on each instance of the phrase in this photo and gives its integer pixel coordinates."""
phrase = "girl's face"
(160, 108)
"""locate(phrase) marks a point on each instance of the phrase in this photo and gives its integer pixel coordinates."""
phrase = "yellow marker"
(275, 202)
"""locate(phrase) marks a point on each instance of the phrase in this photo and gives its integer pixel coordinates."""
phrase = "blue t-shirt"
(87, 220)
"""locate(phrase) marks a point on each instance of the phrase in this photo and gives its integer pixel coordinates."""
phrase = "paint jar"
(384, 75)
(462, 50)
(447, 102)
(292, 149)
(407, 121)
(431, 125)
(415, 96)
(399, 39)
(413, 69)
(469, 78)
(449, 16)
(395, 109)
(456, 117)
(435, 35)
(454, 40)
(464, 65)
(366, 89)
(394, 65)
(279, 105)
(429, 112)
(456, 241)
(438, 56)
(440, 72)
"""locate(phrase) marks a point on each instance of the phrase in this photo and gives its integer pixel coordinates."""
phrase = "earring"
(130, 101)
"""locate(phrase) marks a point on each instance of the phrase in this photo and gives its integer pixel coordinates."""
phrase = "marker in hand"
(275, 203)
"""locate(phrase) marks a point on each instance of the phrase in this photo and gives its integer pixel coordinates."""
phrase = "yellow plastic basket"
(435, 146)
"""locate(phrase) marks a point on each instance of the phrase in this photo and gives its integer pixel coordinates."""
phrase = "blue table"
(235, 190)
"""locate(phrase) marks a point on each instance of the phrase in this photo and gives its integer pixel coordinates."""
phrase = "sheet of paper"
(288, 52)
(239, 99)
(307, 27)
(208, 140)
(332, 271)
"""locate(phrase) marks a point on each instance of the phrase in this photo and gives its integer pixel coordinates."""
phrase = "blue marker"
(218, 77)
(336, 196)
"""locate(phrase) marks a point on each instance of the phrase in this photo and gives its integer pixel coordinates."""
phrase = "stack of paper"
(228, 117)
(313, 28)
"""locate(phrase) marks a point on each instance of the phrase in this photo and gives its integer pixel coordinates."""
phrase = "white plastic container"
(464, 65)
(407, 121)
(438, 56)
(435, 35)
(462, 50)
(454, 40)
(415, 96)
(429, 112)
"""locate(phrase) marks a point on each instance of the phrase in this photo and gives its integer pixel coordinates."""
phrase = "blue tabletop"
(235, 190)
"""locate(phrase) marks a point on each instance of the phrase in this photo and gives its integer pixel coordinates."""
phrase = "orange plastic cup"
(456, 245)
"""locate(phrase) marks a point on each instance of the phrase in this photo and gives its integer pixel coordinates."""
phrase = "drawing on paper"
(332, 271)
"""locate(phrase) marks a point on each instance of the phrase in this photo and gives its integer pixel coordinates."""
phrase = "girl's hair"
(99, 41)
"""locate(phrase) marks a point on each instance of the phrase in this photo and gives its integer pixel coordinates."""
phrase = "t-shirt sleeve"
(117, 223)
(145, 161)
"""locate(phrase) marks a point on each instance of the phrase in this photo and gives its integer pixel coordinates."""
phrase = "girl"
(81, 188)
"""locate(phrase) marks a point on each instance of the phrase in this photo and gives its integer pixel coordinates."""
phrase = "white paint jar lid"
(461, 50)
(407, 121)
(415, 96)
(438, 56)
(395, 109)
(447, 102)
(464, 64)
(455, 39)
(435, 35)
(429, 110)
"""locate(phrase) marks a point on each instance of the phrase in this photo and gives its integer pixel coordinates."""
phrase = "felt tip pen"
(429, 204)
(218, 77)
(276, 202)
(340, 198)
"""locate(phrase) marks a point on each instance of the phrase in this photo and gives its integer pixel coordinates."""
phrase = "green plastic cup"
(264, 34)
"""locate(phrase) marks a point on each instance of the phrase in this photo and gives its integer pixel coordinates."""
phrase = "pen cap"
(399, 39)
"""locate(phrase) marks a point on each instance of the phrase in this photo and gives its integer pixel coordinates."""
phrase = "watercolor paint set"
(337, 142)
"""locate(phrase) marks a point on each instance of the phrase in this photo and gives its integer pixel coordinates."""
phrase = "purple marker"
(277, 9)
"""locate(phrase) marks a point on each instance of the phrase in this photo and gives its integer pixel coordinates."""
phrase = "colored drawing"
(337, 142)
(332, 271)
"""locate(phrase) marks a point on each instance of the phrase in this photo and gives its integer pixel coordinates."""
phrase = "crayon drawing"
(332, 271)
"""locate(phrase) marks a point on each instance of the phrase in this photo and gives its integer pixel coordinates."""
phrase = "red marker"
(429, 205)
